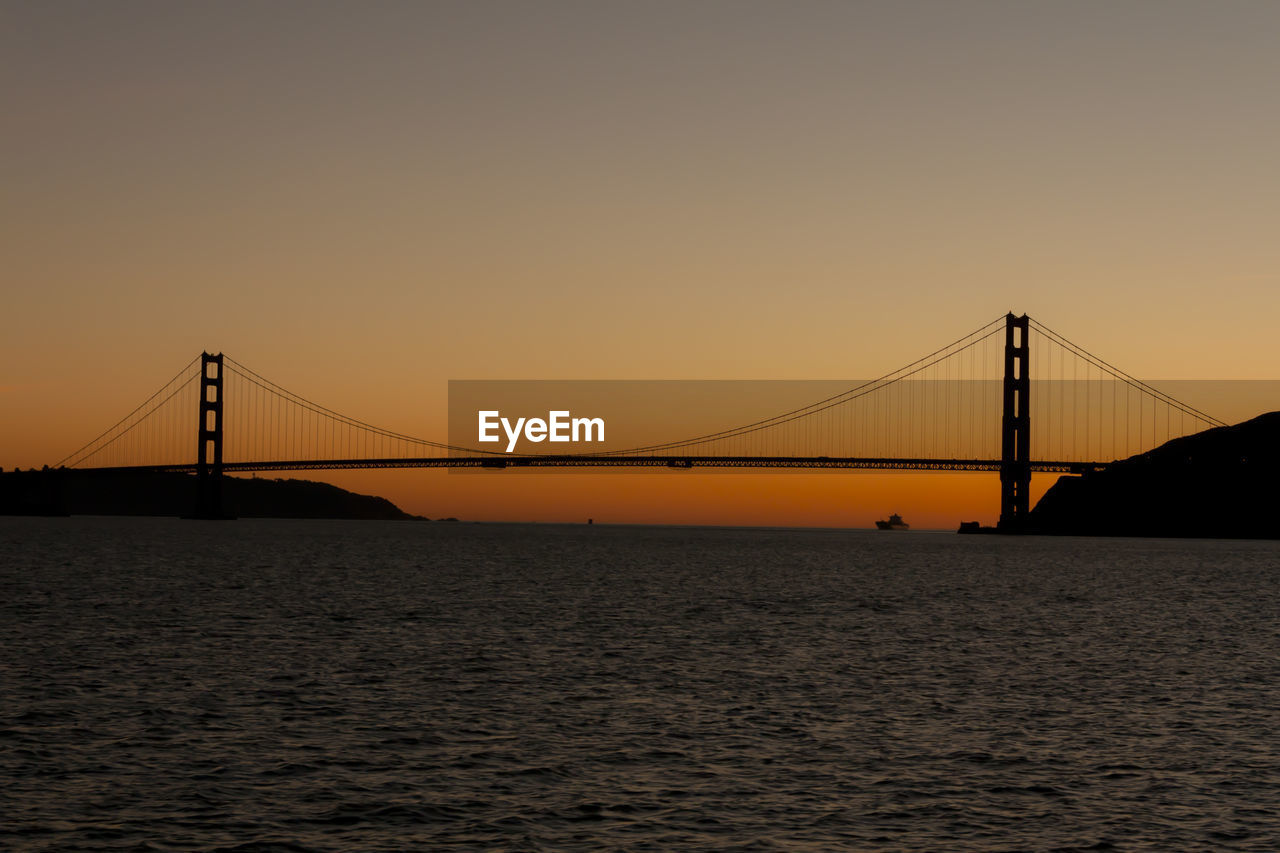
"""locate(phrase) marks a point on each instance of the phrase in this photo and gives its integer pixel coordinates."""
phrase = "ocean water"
(275, 685)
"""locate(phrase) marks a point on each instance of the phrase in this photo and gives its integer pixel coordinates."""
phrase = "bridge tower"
(209, 456)
(1015, 427)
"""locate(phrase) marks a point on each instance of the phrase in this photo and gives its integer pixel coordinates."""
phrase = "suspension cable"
(137, 409)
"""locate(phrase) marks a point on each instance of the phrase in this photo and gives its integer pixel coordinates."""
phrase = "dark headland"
(70, 492)
(1220, 483)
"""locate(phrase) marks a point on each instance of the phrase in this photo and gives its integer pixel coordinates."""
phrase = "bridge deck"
(674, 462)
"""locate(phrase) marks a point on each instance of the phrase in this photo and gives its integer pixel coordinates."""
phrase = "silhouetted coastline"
(1220, 483)
(71, 492)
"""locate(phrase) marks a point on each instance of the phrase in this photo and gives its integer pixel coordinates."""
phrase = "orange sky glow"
(365, 201)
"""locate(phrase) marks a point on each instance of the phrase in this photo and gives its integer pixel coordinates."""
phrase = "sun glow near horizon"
(366, 204)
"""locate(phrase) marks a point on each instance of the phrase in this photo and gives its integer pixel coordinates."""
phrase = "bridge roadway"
(601, 461)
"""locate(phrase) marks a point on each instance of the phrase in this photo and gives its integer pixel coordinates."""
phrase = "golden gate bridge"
(964, 407)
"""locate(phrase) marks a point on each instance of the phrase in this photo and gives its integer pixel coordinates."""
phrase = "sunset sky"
(363, 201)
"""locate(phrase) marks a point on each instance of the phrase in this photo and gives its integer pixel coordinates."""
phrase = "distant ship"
(895, 522)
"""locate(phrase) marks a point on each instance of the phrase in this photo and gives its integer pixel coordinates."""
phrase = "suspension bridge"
(964, 407)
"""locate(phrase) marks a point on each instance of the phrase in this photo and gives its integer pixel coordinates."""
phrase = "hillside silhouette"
(1218, 483)
(71, 492)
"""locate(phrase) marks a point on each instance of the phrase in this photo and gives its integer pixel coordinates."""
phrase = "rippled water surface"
(334, 686)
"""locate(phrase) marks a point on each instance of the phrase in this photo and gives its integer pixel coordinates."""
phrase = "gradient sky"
(364, 200)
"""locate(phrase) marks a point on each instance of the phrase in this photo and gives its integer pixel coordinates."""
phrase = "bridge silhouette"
(964, 407)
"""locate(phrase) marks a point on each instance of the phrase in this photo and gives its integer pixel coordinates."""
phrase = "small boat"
(895, 522)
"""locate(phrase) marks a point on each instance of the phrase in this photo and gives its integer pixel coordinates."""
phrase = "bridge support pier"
(209, 502)
(1015, 431)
